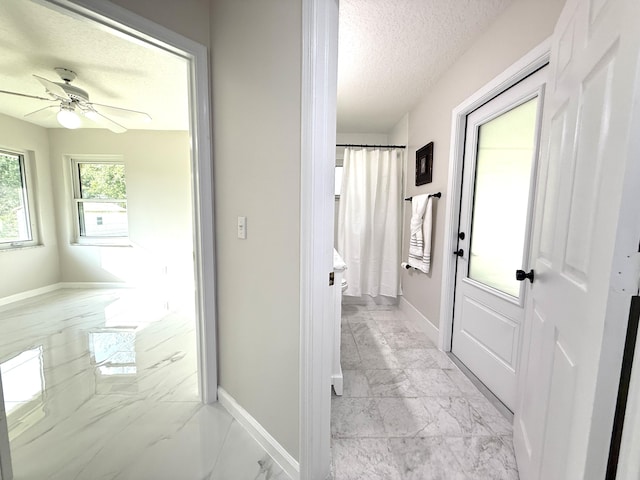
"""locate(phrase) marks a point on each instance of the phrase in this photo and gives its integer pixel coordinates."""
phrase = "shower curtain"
(369, 220)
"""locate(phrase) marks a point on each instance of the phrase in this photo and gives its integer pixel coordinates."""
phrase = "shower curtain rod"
(373, 146)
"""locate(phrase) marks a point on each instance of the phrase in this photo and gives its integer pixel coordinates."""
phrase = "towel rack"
(437, 195)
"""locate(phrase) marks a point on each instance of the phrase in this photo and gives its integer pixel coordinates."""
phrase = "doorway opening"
(111, 348)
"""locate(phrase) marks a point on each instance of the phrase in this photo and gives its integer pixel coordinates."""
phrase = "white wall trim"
(6, 468)
(16, 297)
(528, 64)
(260, 434)
(97, 285)
(317, 204)
(114, 17)
(414, 314)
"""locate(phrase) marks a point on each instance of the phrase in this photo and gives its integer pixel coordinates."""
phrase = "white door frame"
(318, 131)
(114, 17)
(532, 61)
(6, 469)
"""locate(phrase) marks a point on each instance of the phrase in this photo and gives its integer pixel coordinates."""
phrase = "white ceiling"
(391, 51)
(34, 39)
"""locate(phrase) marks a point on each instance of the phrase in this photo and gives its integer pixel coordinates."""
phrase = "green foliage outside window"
(11, 197)
(102, 181)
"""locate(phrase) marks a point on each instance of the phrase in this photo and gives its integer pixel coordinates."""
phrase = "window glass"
(503, 175)
(101, 198)
(102, 181)
(15, 226)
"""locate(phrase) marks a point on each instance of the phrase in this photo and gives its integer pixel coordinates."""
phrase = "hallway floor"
(102, 384)
(408, 412)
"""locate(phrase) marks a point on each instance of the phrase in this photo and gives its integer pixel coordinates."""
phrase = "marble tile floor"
(407, 411)
(102, 384)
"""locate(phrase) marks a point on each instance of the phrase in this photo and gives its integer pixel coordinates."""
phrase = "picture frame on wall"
(424, 164)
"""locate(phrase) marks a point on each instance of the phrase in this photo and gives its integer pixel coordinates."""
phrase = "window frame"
(28, 195)
(78, 238)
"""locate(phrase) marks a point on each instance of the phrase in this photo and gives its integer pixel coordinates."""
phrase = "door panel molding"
(510, 331)
(528, 64)
(572, 364)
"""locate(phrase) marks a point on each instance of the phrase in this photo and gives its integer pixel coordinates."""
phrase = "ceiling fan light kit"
(73, 99)
(68, 118)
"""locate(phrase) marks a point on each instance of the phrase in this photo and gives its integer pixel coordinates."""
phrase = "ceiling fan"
(71, 102)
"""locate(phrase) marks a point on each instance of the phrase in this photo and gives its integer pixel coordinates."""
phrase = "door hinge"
(331, 279)
(626, 274)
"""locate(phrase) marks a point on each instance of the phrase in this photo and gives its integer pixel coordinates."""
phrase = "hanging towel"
(426, 232)
(420, 240)
(416, 242)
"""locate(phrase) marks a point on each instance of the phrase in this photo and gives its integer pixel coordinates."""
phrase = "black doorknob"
(459, 252)
(522, 275)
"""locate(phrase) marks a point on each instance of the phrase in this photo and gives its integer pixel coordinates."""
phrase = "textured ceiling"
(391, 51)
(34, 39)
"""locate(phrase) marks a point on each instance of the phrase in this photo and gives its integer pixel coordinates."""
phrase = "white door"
(501, 148)
(585, 243)
(5, 453)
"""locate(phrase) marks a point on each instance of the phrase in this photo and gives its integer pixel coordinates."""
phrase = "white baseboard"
(30, 293)
(96, 285)
(58, 286)
(412, 312)
(258, 432)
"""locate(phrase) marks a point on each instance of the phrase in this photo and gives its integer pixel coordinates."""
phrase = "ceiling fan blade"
(40, 110)
(24, 95)
(97, 117)
(125, 112)
(53, 88)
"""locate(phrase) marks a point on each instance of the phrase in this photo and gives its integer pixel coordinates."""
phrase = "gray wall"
(525, 24)
(158, 176)
(31, 267)
(256, 85)
(255, 51)
(256, 65)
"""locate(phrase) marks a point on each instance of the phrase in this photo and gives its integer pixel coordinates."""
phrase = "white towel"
(416, 242)
(420, 240)
(426, 232)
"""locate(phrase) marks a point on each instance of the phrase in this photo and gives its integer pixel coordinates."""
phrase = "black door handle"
(522, 275)
(459, 252)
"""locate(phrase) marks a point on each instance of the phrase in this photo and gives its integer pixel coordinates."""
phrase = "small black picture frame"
(424, 164)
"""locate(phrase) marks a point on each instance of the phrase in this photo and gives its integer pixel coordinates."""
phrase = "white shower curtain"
(369, 220)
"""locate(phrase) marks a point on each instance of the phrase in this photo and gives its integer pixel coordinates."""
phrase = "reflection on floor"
(102, 384)
(407, 411)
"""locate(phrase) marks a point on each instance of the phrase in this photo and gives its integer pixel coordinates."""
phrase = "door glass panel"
(501, 198)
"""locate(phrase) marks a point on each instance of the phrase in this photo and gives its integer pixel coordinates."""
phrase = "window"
(16, 228)
(100, 195)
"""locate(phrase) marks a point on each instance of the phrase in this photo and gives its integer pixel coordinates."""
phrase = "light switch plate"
(242, 228)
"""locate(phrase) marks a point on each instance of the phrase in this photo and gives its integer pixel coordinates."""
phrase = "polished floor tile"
(408, 412)
(102, 385)
(363, 458)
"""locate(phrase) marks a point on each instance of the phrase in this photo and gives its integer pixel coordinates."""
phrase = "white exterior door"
(5, 453)
(585, 243)
(501, 149)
